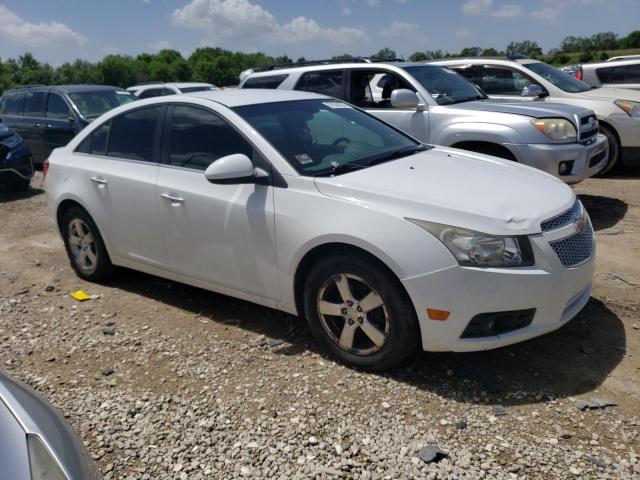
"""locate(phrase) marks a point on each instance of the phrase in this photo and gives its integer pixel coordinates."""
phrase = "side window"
(502, 81)
(57, 107)
(621, 74)
(327, 83)
(467, 71)
(372, 89)
(153, 92)
(96, 143)
(198, 137)
(12, 104)
(132, 134)
(270, 82)
(33, 104)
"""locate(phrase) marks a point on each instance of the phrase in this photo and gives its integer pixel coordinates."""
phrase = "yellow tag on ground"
(81, 296)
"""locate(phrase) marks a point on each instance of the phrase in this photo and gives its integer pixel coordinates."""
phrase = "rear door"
(32, 123)
(119, 178)
(59, 123)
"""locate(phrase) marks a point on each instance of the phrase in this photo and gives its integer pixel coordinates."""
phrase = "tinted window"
(445, 86)
(195, 89)
(621, 74)
(155, 92)
(327, 83)
(560, 79)
(132, 134)
(57, 107)
(502, 81)
(33, 104)
(12, 103)
(96, 143)
(317, 136)
(198, 137)
(272, 82)
(92, 104)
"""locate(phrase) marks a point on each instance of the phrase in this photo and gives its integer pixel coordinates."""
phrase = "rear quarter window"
(269, 82)
(12, 103)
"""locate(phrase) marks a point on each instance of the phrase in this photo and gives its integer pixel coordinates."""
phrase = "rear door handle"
(98, 180)
(173, 198)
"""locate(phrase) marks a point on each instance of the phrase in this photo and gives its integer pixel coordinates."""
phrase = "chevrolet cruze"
(309, 205)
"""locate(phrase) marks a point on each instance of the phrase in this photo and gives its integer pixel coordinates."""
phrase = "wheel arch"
(322, 251)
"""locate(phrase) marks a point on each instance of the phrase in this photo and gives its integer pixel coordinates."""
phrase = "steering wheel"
(339, 140)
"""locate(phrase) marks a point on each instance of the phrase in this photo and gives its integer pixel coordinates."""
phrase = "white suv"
(154, 89)
(618, 110)
(303, 203)
(621, 74)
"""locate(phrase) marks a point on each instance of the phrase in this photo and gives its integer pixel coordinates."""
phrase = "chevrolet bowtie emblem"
(581, 224)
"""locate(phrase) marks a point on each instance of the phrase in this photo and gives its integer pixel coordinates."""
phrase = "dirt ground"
(172, 339)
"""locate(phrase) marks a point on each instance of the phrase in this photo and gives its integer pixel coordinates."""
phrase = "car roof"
(174, 84)
(499, 61)
(241, 97)
(66, 88)
(330, 66)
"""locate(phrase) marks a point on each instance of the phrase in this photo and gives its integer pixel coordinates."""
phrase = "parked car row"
(438, 106)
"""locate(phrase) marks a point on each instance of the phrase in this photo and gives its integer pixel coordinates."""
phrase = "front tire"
(84, 245)
(360, 312)
(614, 150)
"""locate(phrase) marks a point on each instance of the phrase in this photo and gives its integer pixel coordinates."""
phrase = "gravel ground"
(165, 381)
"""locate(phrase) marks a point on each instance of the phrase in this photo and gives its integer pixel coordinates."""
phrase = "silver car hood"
(455, 187)
(529, 109)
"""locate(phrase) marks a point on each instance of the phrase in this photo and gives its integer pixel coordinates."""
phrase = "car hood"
(610, 93)
(454, 187)
(529, 109)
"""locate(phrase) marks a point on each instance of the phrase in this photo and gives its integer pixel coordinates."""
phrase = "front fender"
(477, 132)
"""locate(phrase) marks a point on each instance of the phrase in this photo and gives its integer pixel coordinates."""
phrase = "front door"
(221, 234)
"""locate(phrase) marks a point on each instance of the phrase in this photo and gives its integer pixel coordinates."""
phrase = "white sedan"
(308, 205)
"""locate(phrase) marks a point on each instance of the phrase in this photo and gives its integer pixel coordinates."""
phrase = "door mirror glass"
(235, 168)
(532, 91)
(404, 98)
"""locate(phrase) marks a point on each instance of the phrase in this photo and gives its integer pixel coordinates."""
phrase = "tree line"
(222, 67)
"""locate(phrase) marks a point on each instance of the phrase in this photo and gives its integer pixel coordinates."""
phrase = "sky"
(57, 31)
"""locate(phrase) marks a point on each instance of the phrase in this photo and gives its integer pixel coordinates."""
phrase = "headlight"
(557, 129)
(43, 466)
(632, 108)
(475, 249)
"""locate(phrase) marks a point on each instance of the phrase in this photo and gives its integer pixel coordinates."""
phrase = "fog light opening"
(566, 167)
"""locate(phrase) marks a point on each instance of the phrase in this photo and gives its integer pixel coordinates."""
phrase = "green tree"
(385, 54)
(470, 52)
(526, 47)
(118, 70)
(489, 52)
(631, 41)
(418, 57)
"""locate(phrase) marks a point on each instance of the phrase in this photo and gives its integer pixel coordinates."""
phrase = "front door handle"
(175, 200)
(98, 180)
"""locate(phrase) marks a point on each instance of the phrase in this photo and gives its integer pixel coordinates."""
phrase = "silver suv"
(618, 110)
(438, 106)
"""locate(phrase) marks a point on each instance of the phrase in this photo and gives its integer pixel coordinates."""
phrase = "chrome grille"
(575, 249)
(570, 216)
(588, 127)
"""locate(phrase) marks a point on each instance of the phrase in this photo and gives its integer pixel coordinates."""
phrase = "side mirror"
(533, 91)
(233, 169)
(404, 98)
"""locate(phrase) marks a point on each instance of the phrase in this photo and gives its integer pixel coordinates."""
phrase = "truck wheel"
(359, 312)
(614, 150)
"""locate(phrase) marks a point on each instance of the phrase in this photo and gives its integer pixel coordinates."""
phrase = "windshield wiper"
(399, 153)
(338, 169)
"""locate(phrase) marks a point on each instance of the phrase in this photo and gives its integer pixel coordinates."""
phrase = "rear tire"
(614, 150)
(84, 245)
(360, 312)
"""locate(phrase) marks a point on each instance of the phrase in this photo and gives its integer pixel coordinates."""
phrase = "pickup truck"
(437, 106)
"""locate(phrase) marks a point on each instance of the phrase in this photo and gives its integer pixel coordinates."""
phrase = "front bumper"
(557, 294)
(16, 165)
(587, 159)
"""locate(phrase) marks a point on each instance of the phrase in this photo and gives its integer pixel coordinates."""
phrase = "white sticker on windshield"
(303, 158)
(336, 105)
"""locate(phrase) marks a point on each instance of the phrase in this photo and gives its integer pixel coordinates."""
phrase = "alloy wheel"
(82, 244)
(353, 314)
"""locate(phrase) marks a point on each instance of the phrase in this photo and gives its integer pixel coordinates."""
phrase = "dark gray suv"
(48, 117)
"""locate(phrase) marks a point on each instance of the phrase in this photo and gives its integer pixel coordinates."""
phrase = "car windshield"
(444, 85)
(92, 104)
(327, 137)
(560, 79)
(200, 88)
